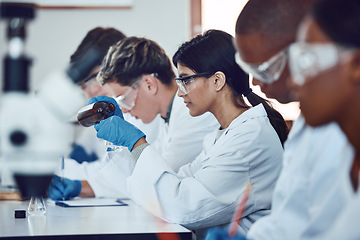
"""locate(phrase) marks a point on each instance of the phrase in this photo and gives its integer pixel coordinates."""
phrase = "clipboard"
(91, 202)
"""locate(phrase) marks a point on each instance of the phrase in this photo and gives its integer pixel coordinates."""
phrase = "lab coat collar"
(255, 112)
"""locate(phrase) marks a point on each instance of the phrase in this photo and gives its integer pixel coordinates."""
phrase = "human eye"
(186, 82)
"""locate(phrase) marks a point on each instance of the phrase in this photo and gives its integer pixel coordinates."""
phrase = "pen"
(239, 211)
(62, 172)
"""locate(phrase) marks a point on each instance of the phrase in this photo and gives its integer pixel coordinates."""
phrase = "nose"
(124, 110)
(180, 93)
(257, 82)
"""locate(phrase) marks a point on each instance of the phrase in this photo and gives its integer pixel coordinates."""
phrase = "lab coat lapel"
(254, 112)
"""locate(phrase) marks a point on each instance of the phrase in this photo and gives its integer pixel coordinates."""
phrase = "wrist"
(138, 143)
(86, 189)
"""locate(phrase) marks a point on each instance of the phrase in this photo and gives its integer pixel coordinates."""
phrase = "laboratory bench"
(109, 222)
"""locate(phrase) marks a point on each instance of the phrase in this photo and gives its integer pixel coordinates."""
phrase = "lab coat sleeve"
(109, 179)
(179, 199)
(328, 191)
(206, 192)
(346, 224)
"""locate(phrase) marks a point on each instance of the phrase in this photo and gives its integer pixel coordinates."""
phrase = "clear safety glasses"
(186, 84)
(127, 100)
(307, 60)
(266, 72)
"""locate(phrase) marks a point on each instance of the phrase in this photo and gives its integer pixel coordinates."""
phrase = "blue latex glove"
(64, 188)
(79, 154)
(222, 234)
(107, 99)
(118, 131)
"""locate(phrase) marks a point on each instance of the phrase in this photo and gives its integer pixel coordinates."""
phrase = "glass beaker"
(36, 206)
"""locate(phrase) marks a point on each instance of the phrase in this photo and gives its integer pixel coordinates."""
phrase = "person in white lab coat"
(142, 73)
(329, 41)
(309, 193)
(87, 147)
(247, 148)
(87, 157)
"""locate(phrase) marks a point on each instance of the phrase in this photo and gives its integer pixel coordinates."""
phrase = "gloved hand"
(64, 188)
(107, 99)
(222, 234)
(118, 131)
(79, 154)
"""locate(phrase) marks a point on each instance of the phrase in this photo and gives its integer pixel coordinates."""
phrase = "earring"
(218, 87)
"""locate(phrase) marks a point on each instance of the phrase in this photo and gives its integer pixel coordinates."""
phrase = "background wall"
(55, 33)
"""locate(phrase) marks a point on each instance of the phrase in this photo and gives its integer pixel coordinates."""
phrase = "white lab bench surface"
(119, 222)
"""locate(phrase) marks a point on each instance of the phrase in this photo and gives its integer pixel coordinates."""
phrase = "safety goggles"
(307, 60)
(127, 100)
(267, 72)
(90, 81)
(186, 84)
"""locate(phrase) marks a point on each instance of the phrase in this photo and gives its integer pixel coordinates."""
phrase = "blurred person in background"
(87, 147)
(325, 64)
(313, 161)
(88, 150)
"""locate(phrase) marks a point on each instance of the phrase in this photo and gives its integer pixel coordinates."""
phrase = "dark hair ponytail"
(214, 51)
(276, 120)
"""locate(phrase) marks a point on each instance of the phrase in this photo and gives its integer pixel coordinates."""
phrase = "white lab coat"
(205, 193)
(308, 195)
(179, 142)
(346, 225)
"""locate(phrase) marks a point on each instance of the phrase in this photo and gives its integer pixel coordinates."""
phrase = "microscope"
(34, 128)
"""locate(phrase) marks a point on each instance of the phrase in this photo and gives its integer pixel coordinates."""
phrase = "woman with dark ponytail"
(215, 52)
(247, 148)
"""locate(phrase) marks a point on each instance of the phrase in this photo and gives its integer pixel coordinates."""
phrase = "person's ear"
(151, 84)
(219, 80)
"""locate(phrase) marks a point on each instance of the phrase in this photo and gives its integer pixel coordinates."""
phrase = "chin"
(146, 121)
(149, 118)
(315, 122)
(312, 120)
(195, 113)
